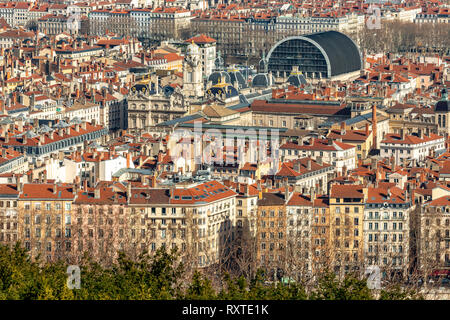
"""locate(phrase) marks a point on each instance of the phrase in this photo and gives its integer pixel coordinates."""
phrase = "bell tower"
(192, 72)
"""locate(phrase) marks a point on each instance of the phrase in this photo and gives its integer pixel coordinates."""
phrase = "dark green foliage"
(398, 293)
(350, 288)
(200, 288)
(160, 277)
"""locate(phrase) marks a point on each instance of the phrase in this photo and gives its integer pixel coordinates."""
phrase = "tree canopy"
(160, 276)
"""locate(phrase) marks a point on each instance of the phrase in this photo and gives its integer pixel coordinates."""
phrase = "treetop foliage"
(161, 277)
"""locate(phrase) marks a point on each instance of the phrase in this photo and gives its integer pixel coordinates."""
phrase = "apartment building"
(101, 223)
(411, 147)
(246, 208)
(299, 211)
(321, 247)
(361, 139)
(61, 137)
(154, 24)
(346, 223)
(9, 213)
(305, 173)
(12, 161)
(434, 234)
(45, 219)
(333, 152)
(271, 237)
(387, 229)
(200, 219)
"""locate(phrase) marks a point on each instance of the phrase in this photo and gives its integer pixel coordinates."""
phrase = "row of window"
(48, 219)
(48, 206)
(394, 226)
(272, 213)
(272, 235)
(394, 237)
(386, 215)
(8, 204)
(48, 233)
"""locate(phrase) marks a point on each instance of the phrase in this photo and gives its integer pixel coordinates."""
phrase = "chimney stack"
(259, 190)
(286, 189)
(128, 160)
(97, 193)
(312, 193)
(374, 126)
(296, 166)
(129, 190)
(343, 128)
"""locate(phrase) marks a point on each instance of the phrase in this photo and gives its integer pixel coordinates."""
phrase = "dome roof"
(262, 80)
(443, 105)
(296, 80)
(216, 76)
(237, 77)
(229, 91)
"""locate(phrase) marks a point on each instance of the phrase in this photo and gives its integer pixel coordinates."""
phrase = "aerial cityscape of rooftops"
(272, 140)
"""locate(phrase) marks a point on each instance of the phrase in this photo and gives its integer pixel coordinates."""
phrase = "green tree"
(200, 288)
(396, 292)
(350, 288)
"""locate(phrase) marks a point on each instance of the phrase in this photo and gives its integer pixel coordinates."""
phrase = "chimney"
(160, 157)
(309, 165)
(128, 160)
(296, 166)
(319, 161)
(259, 190)
(343, 127)
(367, 129)
(374, 126)
(286, 190)
(85, 187)
(97, 193)
(129, 190)
(54, 187)
(312, 194)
